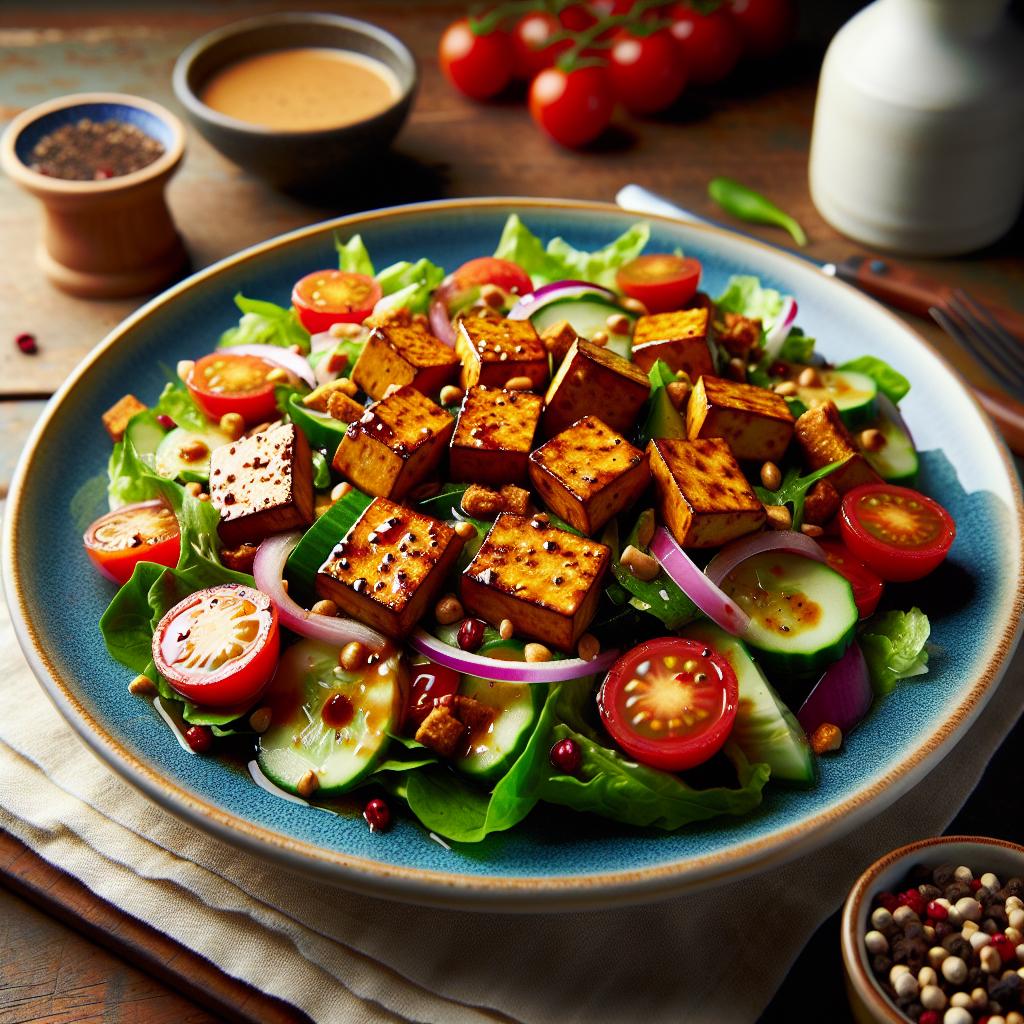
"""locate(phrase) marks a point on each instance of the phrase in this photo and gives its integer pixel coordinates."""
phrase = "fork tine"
(1012, 345)
(969, 342)
(980, 322)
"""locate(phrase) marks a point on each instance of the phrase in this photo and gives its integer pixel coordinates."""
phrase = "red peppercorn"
(936, 911)
(165, 421)
(913, 899)
(1005, 948)
(975, 884)
(377, 815)
(888, 900)
(27, 343)
(199, 738)
(566, 757)
(471, 634)
(928, 1017)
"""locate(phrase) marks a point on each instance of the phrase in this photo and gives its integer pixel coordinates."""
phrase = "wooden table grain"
(755, 129)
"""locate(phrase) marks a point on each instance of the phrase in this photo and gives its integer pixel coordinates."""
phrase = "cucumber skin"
(319, 433)
(784, 665)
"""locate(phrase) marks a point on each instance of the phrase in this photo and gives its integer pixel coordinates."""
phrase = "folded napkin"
(340, 956)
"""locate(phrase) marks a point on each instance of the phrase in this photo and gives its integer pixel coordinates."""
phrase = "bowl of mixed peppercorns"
(934, 933)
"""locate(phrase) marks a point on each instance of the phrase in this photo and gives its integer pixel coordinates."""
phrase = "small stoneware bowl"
(294, 159)
(869, 1002)
(109, 238)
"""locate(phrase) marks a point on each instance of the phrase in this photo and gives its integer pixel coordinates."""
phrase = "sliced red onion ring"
(508, 671)
(779, 331)
(268, 570)
(889, 409)
(322, 341)
(283, 357)
(842, 696)
(531, 304)
(713, 602)
(440, 322)
(755, 544)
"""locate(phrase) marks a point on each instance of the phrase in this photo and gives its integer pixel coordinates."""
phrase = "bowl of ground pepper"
(99, 163)
(934, 933)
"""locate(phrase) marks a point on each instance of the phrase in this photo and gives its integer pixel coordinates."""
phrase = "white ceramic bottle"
(918, 141)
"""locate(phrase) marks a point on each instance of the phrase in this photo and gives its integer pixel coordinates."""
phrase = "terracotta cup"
(109, 238)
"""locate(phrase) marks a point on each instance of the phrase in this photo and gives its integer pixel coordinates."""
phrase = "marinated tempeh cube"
(493, 352)
(262, 485)
(703, 497)
(679, 339)
(824, 438)
(589, 473)
(493, 436)
(395, 444)
(394, 354)
(335, 399)
(389, 568)
(756, 422)
(546, 581)
(593, 379)
(117, 417)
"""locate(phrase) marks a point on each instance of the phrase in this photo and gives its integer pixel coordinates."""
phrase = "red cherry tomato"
(577, 18)
(328, 297)
(710, 42)
(531, 51)
(661, 281)
(764, 26)
(899, 533)
(225, 382)
(218, 647)
(867, 585)
(670, 703)
(145, 532)
(478, 66)
(647, 72)
(573, 107)
(508, 276)
(430, 683)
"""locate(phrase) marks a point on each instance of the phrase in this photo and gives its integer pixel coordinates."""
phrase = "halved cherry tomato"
(144, 532)
(647, 71)
(661, 281)
(479, 66)
(461, 288)
(574, 106)
(219, 647)
(867, 585)
(225, 382)
(899, 533)
(328, 297)
(670, 703)
(430, 682)
(709, 41)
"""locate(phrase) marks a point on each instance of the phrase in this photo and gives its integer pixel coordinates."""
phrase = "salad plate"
(551, 860)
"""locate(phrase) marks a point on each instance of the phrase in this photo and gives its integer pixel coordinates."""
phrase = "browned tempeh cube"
(546, 581)
(117, 417)
(592, 379)
(389, 567)
(679, 339)
(756, 422)
(703, 497)
(404, 355)
(589, 473)
(493, 352)
(395, 444)
(494, 435)
(823, 436)
(739, 335)
(262, 485)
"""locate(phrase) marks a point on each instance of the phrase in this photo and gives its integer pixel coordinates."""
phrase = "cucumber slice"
(897, 461)
(171, 463)
(321, 430)
(802, 613)
(145, 434)
(588, 315)
(854, 393)
(361, 709)
(516, 707)
(765, 729)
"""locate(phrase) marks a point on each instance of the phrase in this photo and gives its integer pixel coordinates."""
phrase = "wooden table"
(755, 129)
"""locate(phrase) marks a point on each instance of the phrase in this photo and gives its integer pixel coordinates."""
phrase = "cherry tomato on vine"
(328, 297)
(662, 281)
(670, 703)
(577, 17)
(710, 43)
(574, 106)
(647, 72)
(898, 532)
(764, 26)
(531, 51)
(144, 532)
(225, 381)
(867, 585)
(479, 66)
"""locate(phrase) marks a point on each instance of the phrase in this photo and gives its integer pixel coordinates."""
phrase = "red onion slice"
(740, 550)
(842, 696)
(283, 357)
(779, 331)
(268, 570)
(531, 304)
(440, 322)
(508, 671)
(706, 595)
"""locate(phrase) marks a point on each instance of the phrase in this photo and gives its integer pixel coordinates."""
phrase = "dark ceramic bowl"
(294, 159)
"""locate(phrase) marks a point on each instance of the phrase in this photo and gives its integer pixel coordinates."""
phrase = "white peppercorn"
(933, 998)
(954, 970)
(881, 918)
(969, 908)
(906, 986)
(876, 942)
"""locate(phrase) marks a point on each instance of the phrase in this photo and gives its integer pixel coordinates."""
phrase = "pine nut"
(308, 784)
(276, 375)
(518, 384)
(233, 425)
(492, 296)
(346, 387)
(537, 652)
(645, 532)
(872, 440)
(642, 566)
(506, 629)
(771, 476)
(338, 491)
(811, 530)
(787, 389)
(142, 686)
(194, 451)
(678, 392)
(809, 378)
(448, 610)
(185, 368)
(193, 488)
(634, 306)
(202, 496)
(324, 607)
(779, 517)
(353, 656)
(588, 648)
(344, 330)
(617, 323)
(826, 738)
(465, 530)
(259, 720)
(599, 338)
(450, 394)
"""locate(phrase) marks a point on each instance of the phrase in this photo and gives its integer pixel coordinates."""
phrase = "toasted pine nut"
(541, 519)
(787, 389)
(599, 338)
(185, 368)
(645, 533)
(492, 296)
(506, 629)
(353, 656)
(826, 738)
(465, 530)
(233, 425)
(308, 784)
(779, 517)
(142, 686)
(277, 374)
(325, 607)
(259, 720)
(588, 647)
(338, 491)
(194, 451)
(450, 394)
(642, 566)
(202, 496)
(537, 652)
(448, 610)
(809, 378)
(678, 392)
(518, 384)
(872, 440)
(810, 530)
(771, 476)
(634, 306)
(193, 488)
(617, 323)
(344, 330)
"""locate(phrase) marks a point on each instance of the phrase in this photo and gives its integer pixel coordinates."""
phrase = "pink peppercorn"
(377, 815)
(975, 884)
(928, 1017)
(26, 343)
(937, 911)
(913, 899)
(1004, 947)
(566, 757)
(165, 421)
(888, 900)
(199, 738)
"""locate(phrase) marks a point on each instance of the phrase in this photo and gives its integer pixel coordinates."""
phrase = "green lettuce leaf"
(894, 647)
(793, 490)
(890, 382)
(797, 348)
(744, 295)
(408, 285)
(176, 402)
(353, 257)
(265, 323)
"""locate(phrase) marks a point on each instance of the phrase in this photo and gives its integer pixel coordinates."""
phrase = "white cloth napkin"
(715, 956)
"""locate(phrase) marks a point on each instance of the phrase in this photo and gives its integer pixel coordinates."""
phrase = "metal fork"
(974, 328)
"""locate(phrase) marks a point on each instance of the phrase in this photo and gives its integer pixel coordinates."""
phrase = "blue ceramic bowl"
(553, 859)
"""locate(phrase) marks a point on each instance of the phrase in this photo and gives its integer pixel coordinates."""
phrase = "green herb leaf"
(797, 348)
(746, 204)
(893, 644)
(265, 323)
(890, 382)
(176, 402)
(321, 471)
(793, 490)
(408, 285)
(353, 257)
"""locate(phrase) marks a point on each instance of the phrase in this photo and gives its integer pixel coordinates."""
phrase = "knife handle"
(899, 286)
